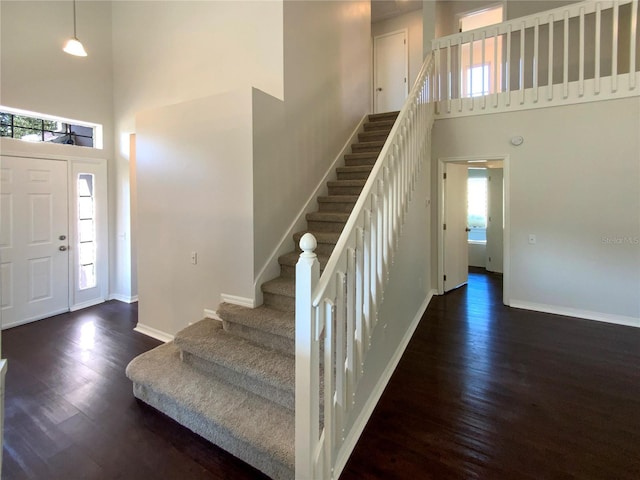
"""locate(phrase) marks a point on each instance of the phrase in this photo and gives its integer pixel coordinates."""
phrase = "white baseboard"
(573, 312)
(153, 332)
(362, 419)
(241, 301)
(17, 323)
(90, 303)
(211, 314)
(271, 267)
(123, 298)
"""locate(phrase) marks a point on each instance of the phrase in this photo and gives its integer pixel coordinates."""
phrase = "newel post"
(307, 358)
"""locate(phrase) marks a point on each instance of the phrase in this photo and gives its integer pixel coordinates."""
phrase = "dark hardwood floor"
(488, 392)
(482, 392)
(70, 412)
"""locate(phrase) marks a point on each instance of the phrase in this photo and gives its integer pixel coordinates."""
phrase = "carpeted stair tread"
(380, 125)
(291, 259)
(346, 183)
(254, 429)
(321, 237)
(207, 340)
(284, 286)
(262, 318)
(356, 168)
(338, 198)
(327, 216)
(368, 145)
(375, 117)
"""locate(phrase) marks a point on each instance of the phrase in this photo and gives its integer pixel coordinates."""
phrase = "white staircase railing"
(336, 314)
(581, 52)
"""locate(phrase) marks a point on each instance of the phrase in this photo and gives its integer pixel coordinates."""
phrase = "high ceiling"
(384, 9)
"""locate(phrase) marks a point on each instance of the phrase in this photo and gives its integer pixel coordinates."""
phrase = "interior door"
(456, 245)
(390, 71)
(34, 258)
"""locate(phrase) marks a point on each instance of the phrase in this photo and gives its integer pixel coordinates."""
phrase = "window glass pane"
(87, 276)
(86, 253)
(36, 129)
(22, 121)
(85, 208)
(27, 134)
(85, 230)
(477, 208)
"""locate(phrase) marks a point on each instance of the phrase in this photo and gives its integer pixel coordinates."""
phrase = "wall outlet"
(532, 239)
(194, 258)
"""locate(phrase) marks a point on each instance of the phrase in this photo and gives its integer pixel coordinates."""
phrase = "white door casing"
(34, 255)
(390, 71)
(456, 245)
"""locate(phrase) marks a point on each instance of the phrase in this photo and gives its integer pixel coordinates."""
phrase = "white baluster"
(596, 87)
(614, 49)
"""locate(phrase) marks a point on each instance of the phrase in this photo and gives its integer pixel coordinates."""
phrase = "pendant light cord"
(75, 35)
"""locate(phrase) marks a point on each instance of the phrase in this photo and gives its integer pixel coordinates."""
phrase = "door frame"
(103, 235)
(506, 234)
(405, 31)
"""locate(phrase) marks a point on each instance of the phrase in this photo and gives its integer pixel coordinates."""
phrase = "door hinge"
(444, 176)
(405, 41)
(444, 226)
(445, 278)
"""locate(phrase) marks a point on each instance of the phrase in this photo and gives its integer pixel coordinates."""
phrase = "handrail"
(337, 313)
(369, 184)
(549, 72)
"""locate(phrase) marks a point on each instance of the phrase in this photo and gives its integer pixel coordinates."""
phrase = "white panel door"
(456, 245)
(33, 239)
(390, 71)
(495, 220)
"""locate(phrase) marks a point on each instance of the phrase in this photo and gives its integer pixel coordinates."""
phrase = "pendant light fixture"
(73, 45)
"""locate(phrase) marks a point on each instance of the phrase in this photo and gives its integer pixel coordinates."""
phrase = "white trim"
(577, 313)
(212, 314)
(123, 298)
(48, 156)
(90, 303)
(271, 268)
(17, 323)
(153, 332)
(365, 413)
(241, 301)
(506, 233)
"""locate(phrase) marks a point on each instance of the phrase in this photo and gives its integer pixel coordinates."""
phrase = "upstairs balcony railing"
(582, 52)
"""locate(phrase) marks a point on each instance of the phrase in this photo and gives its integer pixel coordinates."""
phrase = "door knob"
(467, 229)
(379, 89)
(62, 237)
(62, 248)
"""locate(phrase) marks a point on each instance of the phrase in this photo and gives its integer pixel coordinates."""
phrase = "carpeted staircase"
(233, 382)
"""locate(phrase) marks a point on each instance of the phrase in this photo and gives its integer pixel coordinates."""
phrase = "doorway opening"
(473, 219)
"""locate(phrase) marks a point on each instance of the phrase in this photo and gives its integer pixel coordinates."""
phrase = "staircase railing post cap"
(308, 244)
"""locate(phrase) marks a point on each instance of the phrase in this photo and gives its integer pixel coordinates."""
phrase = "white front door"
(390, 71)
(34, 239)
(456, 245)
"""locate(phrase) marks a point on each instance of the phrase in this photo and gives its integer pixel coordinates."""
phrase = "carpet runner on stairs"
(233, 382)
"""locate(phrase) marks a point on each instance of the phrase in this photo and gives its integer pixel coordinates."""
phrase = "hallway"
(483, 391)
